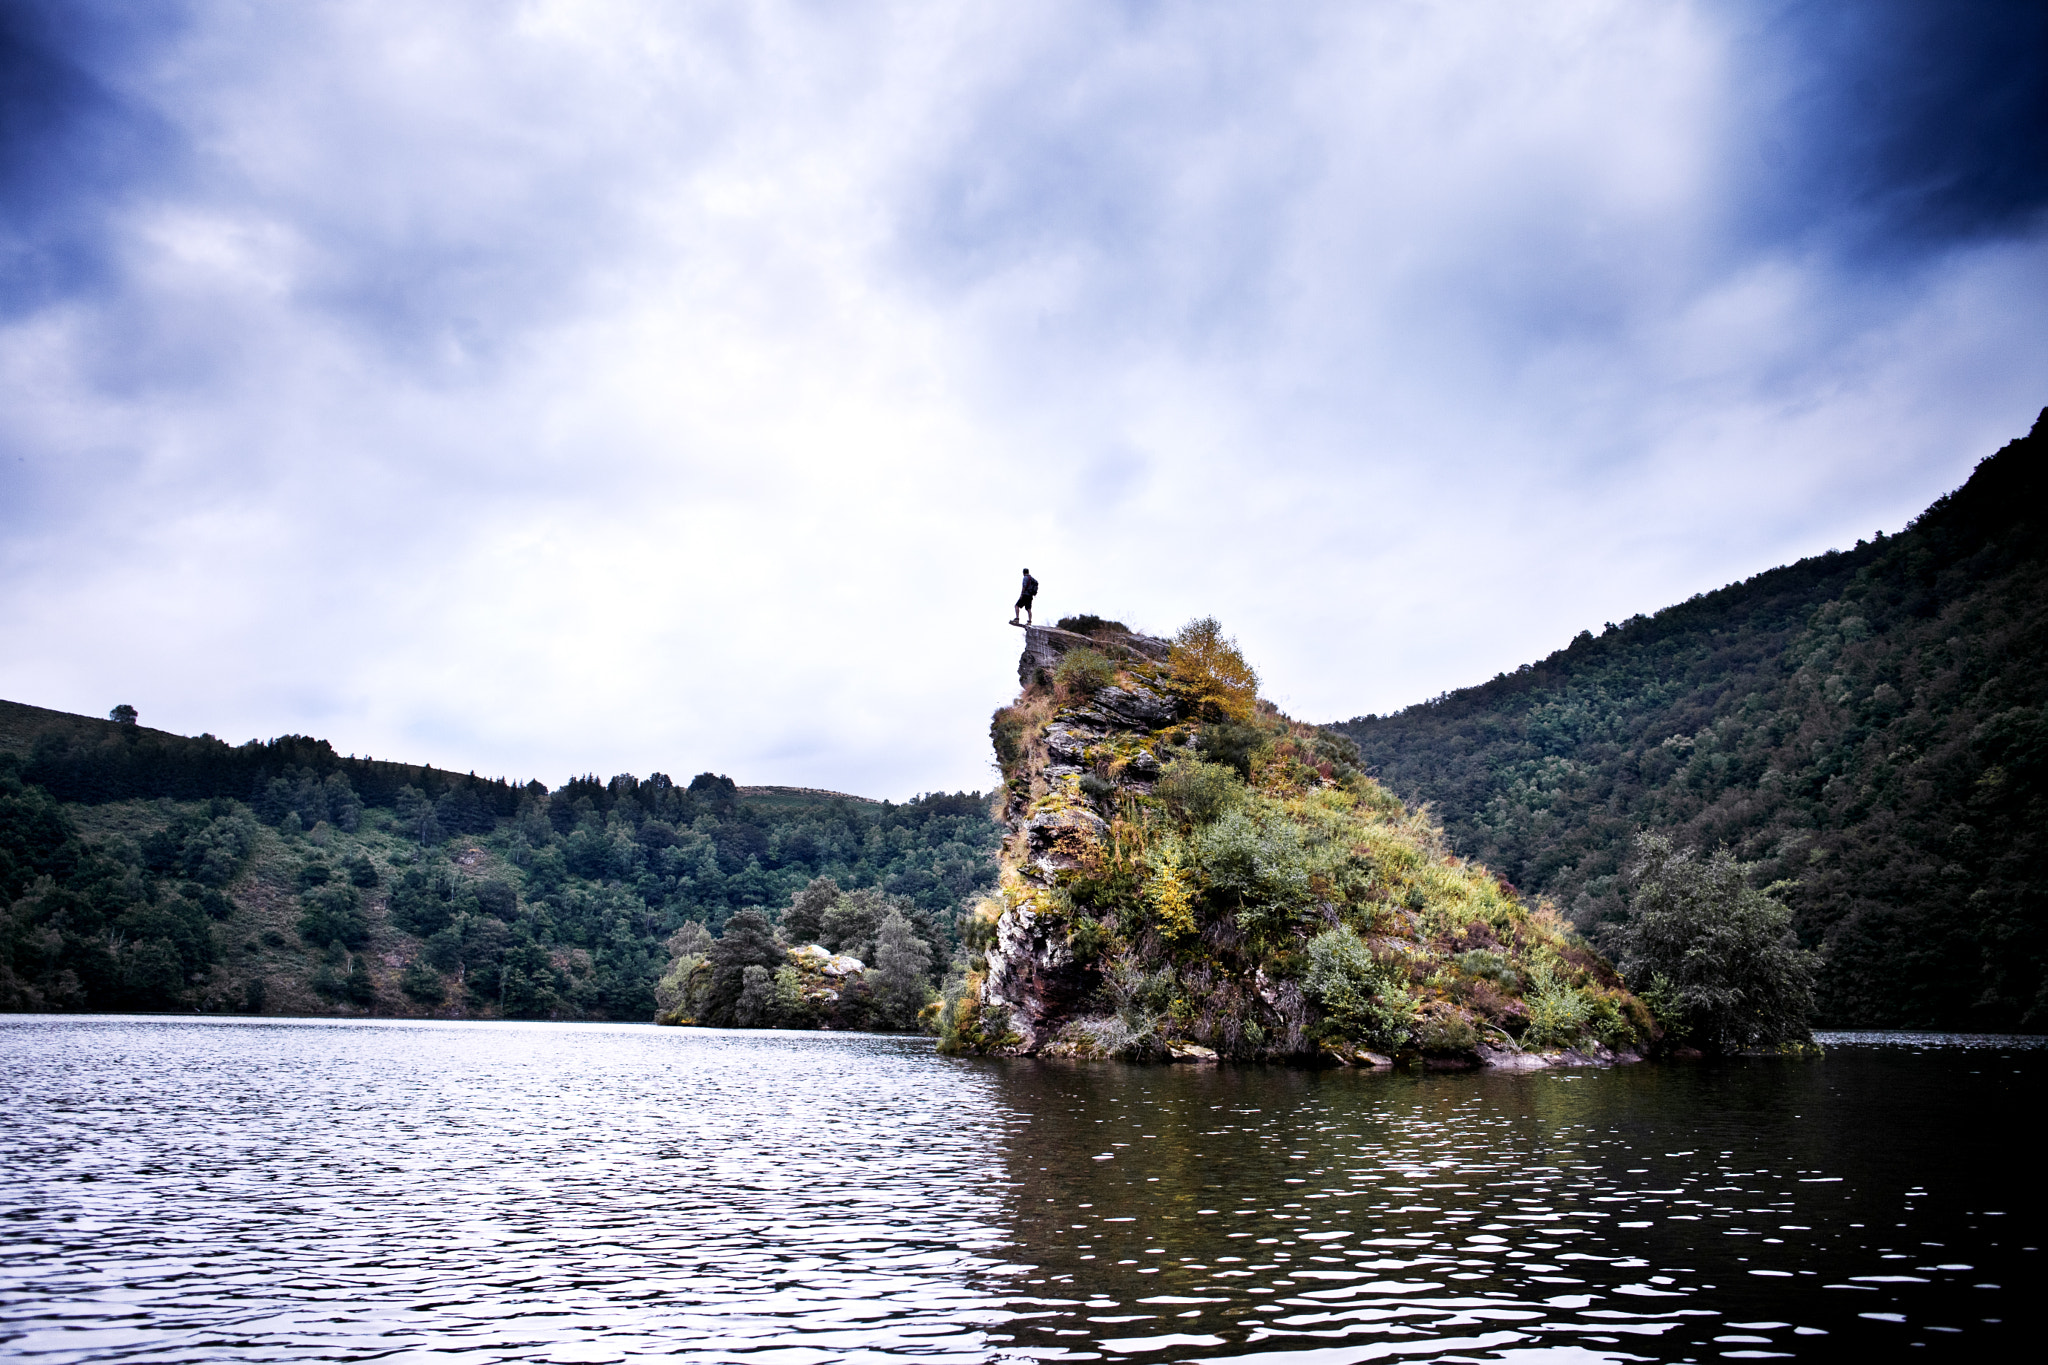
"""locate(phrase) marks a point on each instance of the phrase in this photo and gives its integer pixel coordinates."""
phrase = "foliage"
(1172, 892)
(804, 920)
(1255, 863)
(553, 904)
(1439, 1029)
(422, 983)
(1871, 725)
(1083, 672)
(902, 977)
(334, 914)
(968, 1024)
(1212, 674)
(1361, 998)
(746, 942)
(1195, 791)
(1232, 744)
(1721, 955)
(684, 989)
(1558, 1013)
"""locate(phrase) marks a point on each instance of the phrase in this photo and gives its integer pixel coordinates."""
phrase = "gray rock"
(1135, 707)
(1068, 742)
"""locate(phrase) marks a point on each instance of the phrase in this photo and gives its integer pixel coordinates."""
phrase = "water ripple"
(264, 1190)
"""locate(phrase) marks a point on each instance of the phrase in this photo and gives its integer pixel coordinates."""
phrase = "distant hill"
(146, 870)
(1870, 724)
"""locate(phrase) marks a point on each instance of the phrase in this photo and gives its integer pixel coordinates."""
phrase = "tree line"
(585, 884)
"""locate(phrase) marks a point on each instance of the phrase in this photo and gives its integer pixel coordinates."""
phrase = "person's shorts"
(1023, 602)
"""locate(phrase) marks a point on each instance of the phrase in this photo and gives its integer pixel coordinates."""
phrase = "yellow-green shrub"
(1211, 672)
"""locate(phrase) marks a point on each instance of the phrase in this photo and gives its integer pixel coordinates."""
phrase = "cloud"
(609, 387)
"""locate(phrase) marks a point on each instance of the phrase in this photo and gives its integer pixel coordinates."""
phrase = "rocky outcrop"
(1043, 646)
(1296, 912)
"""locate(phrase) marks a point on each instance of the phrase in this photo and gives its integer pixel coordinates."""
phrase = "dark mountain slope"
(1869, 724)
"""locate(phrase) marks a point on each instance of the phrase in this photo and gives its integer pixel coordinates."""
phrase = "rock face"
(1295, 912)
(1043, 646)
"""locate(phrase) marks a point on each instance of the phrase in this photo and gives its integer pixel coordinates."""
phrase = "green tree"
(1714, 956)
(804, 920)
(849, 924)
(756, 1004)
(334, 914)
(902, 966)
(422, 982)
(124, 714)
(681, 994)
(746, 942)
(416, 816)
(361, 989)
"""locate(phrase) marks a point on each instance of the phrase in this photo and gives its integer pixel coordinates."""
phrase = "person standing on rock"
(1024, 596)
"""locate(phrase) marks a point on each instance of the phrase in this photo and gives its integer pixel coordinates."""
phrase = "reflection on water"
(263, 1190)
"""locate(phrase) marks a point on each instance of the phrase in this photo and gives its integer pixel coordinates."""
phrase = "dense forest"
(1866, 727)
(143, 870)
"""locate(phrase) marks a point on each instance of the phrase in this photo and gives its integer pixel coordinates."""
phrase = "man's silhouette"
(1024, 596)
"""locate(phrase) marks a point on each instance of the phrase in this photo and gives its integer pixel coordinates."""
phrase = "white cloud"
(611, 388)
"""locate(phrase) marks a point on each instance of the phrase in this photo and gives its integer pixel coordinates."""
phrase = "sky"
(549, 388)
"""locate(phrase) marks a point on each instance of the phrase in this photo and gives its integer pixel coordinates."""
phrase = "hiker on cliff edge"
(1024, 596)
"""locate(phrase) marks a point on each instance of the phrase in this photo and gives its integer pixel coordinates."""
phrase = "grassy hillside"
(1868, 726)
(142, 870)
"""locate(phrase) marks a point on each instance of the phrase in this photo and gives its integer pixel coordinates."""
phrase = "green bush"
(1232, 744)
(1256, 869)
(1488, 965)
(1196, 792)
(1558, 1014)
(333, 914)
(1084, 672)
(422, 982)
(1006, 729)
(1360, 998)
(1443, 1031)
(1086, 938)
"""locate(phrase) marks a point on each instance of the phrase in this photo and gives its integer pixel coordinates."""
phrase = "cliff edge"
(1188, 874)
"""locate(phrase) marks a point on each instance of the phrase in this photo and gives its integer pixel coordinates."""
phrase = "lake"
(290, 1190)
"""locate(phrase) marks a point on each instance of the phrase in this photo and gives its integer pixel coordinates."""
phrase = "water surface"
(271, 1190)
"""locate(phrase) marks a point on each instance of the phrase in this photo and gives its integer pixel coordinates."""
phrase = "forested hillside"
(1868, 725)
(142, 870)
